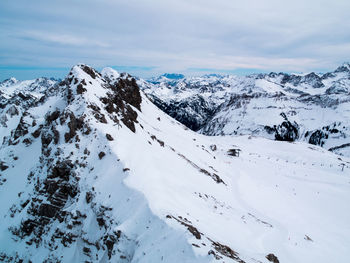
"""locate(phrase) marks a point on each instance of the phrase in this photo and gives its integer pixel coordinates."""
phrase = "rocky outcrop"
(48, 218)
(123, 94)
(286, 131)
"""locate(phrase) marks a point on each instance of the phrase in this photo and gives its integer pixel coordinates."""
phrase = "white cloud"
(64, 39)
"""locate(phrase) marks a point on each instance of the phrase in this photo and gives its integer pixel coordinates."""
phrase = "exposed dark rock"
(52, 117)
(62, 170)
(234, 152)
(46, 138)
(37, 132)
(56, 136)
(216, 256)
(12, 111)
(123, 94)
(67, 189)
(109, 241)
(308, 238)
(51, 186)
(129, 91)
(214, 176)
(80, 89)
(27, 141)
(100, 221)
(48, 210)
(101, 155)
(60, 184)
(68, 238)
(74, 124)
(109, 137)
(86, 250)
(28, 226)
(286, 131)
(102, 216)
(317, 137)
(194, 231)
(72, 128)
(129, 118)
(3, 121)
(161, 143)
(269, 130)
(90, 71)
(3, 166)
(272, 258)
(224, 251)
(24, 96)
(21, 130)
(97, 113)
(345, 145)
(88, 197)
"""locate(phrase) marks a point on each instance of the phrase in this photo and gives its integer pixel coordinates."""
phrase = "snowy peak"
(57, 204)
(84, 79)
(111, 74)
(118, 96)
(343, 68)
(8, 82)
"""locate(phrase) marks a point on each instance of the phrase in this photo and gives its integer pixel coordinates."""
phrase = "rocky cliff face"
(52, 140)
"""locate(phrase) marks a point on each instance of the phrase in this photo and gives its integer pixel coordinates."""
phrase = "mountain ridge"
(111, 178)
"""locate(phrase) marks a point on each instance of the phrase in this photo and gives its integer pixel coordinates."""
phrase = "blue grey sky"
(148, 38)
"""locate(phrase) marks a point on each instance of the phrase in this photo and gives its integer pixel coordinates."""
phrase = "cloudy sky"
(146, 38)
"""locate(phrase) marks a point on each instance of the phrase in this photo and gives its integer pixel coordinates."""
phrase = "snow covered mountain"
(92, 171)
(292, 107)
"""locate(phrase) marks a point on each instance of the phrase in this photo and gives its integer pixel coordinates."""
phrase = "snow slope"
(96, 172)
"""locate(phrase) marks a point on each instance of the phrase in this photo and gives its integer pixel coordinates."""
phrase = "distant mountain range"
(290, 107)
